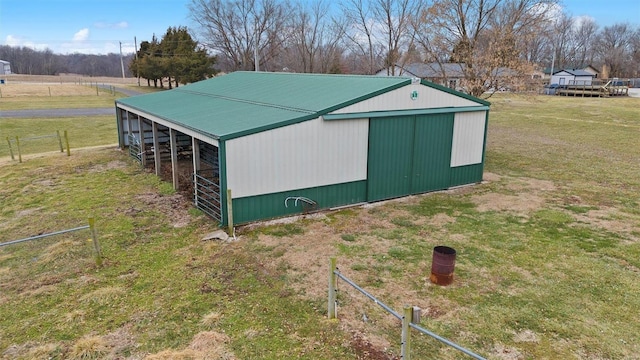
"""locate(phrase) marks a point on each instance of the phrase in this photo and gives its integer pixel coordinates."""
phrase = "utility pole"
(121, 61)
(256, 60)
(135, 43)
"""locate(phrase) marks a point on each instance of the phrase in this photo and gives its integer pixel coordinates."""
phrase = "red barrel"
(442, 265)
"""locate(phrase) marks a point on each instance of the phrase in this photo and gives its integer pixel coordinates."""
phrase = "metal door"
(390, 155)
(432, 153)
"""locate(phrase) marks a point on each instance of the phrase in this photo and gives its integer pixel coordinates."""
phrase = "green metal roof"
(242, 103)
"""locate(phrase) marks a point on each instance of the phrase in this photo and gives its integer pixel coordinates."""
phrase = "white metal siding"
(400, 99)
(309, 154)
(468, 138)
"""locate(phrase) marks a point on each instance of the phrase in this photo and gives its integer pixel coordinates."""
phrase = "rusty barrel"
(442, 265)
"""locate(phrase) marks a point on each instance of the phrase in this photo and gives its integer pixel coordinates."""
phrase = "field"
(548, 255)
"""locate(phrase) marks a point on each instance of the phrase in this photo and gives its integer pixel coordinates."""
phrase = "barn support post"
(174, 158)
(143, 151)
(195, 146)
(129, 129)
(156, 148)
(229, 212)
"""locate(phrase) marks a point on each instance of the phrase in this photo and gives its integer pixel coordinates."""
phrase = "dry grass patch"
(207, 345)
(89, 347)
(104, 295)
(13, 90)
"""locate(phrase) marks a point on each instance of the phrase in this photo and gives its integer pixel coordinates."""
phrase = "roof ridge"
(252, 102)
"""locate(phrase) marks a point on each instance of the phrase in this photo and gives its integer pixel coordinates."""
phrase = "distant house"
(572, 77)
(451, 75)
(445, 74)
(5, 67)
(588, 68)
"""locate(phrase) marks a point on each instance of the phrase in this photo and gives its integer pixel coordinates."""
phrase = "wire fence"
(91, 227)
(19, 146)
(409, 317)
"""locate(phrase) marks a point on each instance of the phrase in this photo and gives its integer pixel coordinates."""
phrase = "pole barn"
(277, 144)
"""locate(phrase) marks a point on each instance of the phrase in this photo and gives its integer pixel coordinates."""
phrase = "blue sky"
(98, 26)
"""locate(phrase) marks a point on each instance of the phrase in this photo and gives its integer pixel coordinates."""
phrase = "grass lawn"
(81, 132)
(19, 96)
(548, 256)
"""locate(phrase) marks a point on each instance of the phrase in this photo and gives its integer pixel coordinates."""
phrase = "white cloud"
(12, 40)
(579, 20)
(81, 35)
(16, 41)
(106, 25)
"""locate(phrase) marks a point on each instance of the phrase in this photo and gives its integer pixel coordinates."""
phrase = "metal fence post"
(18, 146)
(333, 279)
(407, 317)
(96, 245)
(66, 140)
(59, 140)
(10, 148)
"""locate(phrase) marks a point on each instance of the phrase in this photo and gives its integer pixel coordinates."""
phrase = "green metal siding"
(390, 154)
(432, 153)
(468, 174)
(268, 206)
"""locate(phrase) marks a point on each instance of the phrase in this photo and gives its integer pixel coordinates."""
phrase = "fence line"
(409, 315)
(56, 135)
(91, 226)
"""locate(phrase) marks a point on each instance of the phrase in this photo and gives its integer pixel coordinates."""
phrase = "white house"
(571, 77)
(5, 67)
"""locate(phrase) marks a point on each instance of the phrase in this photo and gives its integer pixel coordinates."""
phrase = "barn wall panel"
(308, 154)
(468, 138)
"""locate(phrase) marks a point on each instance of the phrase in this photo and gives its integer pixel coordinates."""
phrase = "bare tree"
(486, 37)
(234, 30)
(395, 19)
(614, 48)
(584, 39)
(314, 39)
(359, 32)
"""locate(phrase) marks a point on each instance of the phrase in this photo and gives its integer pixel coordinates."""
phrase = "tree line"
(494, 41)
(25, 60)
(362, 37)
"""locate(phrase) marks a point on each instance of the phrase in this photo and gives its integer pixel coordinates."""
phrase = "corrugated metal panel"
(432, 153)
(468, 138)
(390, 157)
(308, 154)
(400, 99)
(469, 174)
(307, 92)
(272, 205)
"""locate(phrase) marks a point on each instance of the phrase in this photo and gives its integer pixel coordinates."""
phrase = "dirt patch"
(111, 165)
(173, 206)
(611, 220)
(527, 336)
(521, 204)
(503, 352)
